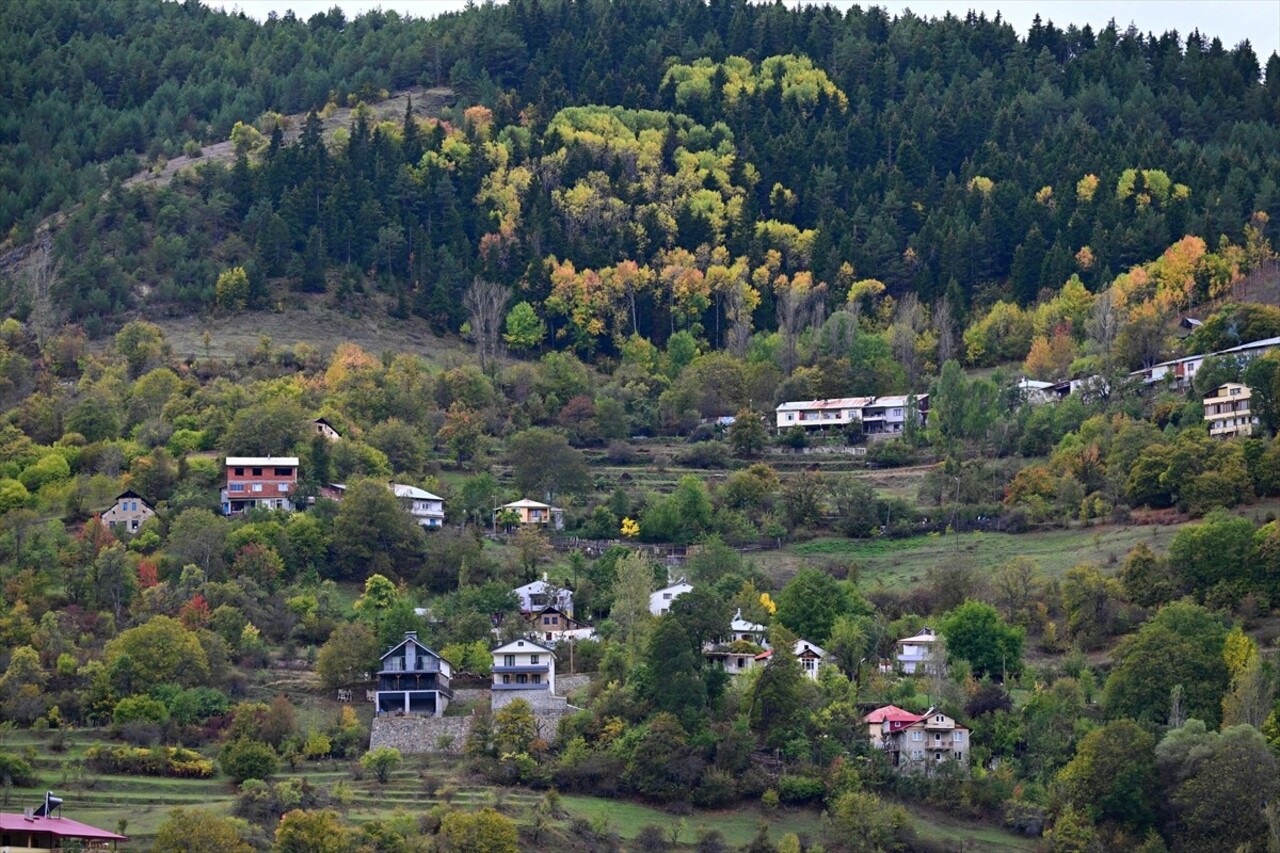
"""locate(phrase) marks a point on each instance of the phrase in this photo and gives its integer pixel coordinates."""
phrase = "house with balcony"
(916, 655)
(532, 512)
(917, 741)
(1227, 411)
(412, 679)
(552, 625)
(660, 600)
(259, 482)
(736, 657)
(427, 509)
(524, 665)
(889, 416)
(128, 512)
(821, 414)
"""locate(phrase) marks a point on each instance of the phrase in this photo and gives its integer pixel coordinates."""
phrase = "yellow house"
(533, 512)
(1227, 412)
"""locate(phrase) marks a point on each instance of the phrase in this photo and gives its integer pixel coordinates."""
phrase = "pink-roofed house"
(917, 741)
(33, 832)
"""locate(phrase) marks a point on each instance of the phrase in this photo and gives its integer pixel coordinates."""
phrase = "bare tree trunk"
(484, 302)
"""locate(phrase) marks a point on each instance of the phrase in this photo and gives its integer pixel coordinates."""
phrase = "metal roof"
(263, 461)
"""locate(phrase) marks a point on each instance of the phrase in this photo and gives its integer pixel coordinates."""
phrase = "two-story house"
(524, 665)
(427, 509)
(264, 482)
(821, 414)
(917, 654)
(552, 625)
(890, 415)
(413, 679)
(128, 512)
(532, 512)
(540, 594)
(660, 600)
(917, 741)
(1227, 411)
(747, 631)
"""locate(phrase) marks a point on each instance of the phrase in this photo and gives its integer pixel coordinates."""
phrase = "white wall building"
(540, 594)
(916, 654)
(427, 509)
(660, 600)
(878, 415)
(524, 665)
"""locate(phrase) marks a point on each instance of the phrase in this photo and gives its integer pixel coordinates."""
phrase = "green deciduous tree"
(381, 762)
(811, 602)
(351, 651)
(1113, 776)
(160, 650)
(975, 632)
(373, 534)
(485, 831)
(201, 831)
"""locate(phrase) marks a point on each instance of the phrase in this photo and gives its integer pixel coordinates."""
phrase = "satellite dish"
(50, 803)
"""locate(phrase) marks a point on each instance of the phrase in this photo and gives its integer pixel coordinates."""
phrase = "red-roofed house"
(917, 741)
(20, 833)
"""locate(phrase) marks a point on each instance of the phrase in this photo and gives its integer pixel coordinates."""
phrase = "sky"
(1230, 20)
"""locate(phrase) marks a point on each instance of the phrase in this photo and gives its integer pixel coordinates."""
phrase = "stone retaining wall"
(420, 735)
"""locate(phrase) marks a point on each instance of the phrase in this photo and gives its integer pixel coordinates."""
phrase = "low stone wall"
(420, 735)
(469, 695)
(566, 685)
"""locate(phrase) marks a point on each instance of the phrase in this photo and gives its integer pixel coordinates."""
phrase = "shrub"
(174, 762)
(134, 709)
(247, 759)
(796, 790)
(16, 770)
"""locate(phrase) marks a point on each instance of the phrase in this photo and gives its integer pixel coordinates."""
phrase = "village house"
(261, 482)
(413, 679)
(879, 416)
(40, 829)
(749, 632)
(532, 512)
(322, 427)
(524, 665)
(734, 658)
(1180, 372)
(551, 624)
(540, 594)
(809, 655)
(660, 600)
(916, 654)
(917, 741)
(1226, 410)
(128, 512)
(427, 509)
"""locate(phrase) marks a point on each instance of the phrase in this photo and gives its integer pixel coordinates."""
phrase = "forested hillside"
(587, 248)
(949, 157)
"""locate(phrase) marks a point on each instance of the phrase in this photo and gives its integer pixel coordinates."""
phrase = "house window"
(284, 472)
(506, 679)
(937, 738)
(257, 487)
(957, 736)
(284, 487)
(239, 472)
(508, 660)
(522, 679)
(938, 757)
(537, 679)
(546, 620)
(959, 756)
(235, 487)
(133, 525)
(666, 596)
(917, 736)
(533, 660)
(917, 755)
(257, 472)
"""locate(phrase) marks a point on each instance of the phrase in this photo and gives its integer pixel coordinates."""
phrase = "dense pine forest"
(578, 251)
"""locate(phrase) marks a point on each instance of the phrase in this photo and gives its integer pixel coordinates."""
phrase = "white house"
(916, 654)
(524, 665)
(817, 414)
(809, 655)
(427, 509)
(128, 512)
(322, 427)
(1180, 372)
(1035, 393)
(878, 415)
(660, 601)
(539, 595)
(748, 632)
(1227, 411)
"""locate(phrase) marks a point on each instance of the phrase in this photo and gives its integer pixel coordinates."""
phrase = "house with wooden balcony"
(524, 665)
(1228, 413)
(413, 679)
(427, 509)
(917, 741)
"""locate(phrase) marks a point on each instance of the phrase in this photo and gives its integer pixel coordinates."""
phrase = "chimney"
(411, 635)
(28, 813)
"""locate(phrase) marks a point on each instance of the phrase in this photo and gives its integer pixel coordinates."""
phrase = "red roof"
(763, 655)
(892, 714)
(62, 827)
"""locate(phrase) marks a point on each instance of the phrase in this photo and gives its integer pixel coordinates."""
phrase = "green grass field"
(903, 563)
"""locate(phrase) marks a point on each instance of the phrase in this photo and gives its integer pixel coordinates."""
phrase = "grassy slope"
(104, 800)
